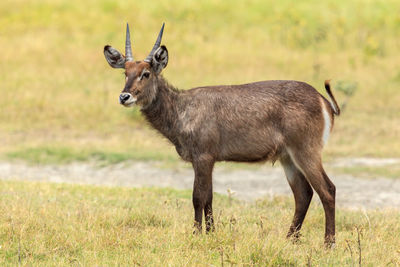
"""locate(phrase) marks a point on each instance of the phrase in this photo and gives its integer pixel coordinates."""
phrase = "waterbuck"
(280, 120)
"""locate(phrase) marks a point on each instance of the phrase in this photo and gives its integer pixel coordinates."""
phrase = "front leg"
(208, 212)
(202, 191)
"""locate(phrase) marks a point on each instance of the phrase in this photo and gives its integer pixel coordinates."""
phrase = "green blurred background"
(59, 97)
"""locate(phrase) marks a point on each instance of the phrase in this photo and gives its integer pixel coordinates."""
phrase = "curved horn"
(156, 45)
(128, 48)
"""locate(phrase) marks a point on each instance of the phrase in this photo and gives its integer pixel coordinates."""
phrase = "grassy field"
(71, 225)
(59, 97)
(59, 103)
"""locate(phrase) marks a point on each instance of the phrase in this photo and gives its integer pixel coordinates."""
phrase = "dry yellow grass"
(56, 224)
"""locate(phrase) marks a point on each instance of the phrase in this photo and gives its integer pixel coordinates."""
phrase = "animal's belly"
(245, 151)
(247, 142)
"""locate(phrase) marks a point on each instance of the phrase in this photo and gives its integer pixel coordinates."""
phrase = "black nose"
(124, 97)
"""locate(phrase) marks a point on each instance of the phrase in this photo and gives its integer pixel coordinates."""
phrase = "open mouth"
(129, 104)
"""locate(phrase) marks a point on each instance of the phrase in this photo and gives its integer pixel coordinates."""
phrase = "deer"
(272, 120)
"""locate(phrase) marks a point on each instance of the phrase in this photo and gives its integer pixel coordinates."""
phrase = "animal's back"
(251, 122)
(265, 95)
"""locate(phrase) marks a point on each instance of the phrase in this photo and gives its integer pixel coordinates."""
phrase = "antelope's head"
(140, 76)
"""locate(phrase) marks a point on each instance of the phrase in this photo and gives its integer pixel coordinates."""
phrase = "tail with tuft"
(334, 105)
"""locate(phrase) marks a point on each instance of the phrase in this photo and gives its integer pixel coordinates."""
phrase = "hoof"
(210, 229)
(294, 237)
(330, 244)
(197, 229)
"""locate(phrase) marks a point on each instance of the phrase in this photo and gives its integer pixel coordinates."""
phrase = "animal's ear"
(114, 57)
(160, 59)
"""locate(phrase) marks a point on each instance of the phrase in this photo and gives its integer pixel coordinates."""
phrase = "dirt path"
(247, 184)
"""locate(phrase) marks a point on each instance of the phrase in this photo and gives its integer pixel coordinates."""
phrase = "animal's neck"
(162, 113)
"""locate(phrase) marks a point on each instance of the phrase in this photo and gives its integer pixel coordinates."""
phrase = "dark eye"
(146, 75)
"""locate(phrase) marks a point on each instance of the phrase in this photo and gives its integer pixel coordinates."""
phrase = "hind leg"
(310, 165)
(302, 192)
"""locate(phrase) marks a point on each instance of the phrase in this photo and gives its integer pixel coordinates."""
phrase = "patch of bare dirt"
(247, 184)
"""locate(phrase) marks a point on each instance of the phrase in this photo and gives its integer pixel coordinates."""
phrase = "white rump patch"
(327, 125)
